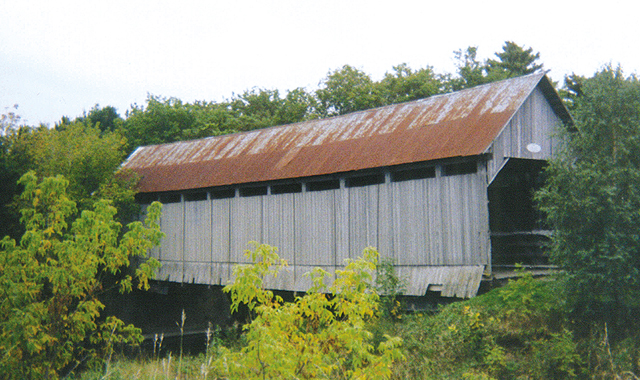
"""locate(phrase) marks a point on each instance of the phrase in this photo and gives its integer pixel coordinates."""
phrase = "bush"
(499, 335)
(319, 335)
(49, 283)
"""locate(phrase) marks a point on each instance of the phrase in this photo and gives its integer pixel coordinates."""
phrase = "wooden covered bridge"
(442, 185)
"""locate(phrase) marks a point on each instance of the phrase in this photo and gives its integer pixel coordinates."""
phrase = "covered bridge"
(442, 185)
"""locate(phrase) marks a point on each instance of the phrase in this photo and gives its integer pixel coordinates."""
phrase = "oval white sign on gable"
(534, 148)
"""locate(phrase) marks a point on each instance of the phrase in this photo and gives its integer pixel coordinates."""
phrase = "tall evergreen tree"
(514, 60)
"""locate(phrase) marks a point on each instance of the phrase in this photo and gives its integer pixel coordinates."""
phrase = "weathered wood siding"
(197, 241)
(315, 229)
(535, 122)
(220, 239)
(440, 221)
(170, 252)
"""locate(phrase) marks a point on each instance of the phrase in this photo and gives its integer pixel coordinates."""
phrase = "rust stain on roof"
(458, 124)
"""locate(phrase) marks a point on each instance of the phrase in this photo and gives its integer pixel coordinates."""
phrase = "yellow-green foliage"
(50, 281)
(320, 335)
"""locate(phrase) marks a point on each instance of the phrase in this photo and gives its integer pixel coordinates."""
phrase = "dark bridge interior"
(517, 234)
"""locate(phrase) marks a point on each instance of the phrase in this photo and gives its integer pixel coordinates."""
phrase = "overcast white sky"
(60, 58)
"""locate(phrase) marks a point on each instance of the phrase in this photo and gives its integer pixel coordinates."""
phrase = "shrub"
(498, 335)
(49, 283)
(319, 335)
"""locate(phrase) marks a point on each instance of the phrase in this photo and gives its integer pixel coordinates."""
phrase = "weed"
(390, 286)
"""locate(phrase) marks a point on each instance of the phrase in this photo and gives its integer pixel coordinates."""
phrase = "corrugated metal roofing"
(458, 124)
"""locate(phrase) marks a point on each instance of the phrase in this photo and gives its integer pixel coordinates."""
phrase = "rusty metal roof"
(458, 124)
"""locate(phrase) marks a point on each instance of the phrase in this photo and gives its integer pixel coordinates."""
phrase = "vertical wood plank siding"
(220, 239)
(363, 221)
(197, 241)
(534, 122)
(197, 237)
(170, 252)
(411, 221)
(172, 223)
(279, 217)
(315, 226)
(419, 223)
(245, 226)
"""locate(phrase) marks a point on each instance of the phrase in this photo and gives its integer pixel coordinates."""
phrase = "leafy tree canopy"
(572, 90)
(405, 84)
(84, 154)
(104, 118)
(13, 160)
(591, 199)
(346, 90)
(164, 120)
(260, 108)
(471, 72)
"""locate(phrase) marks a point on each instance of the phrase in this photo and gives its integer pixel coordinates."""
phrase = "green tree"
(161, 121)
(317, 336)
(261, 108)
(257, 108)
(591, 200)
(471, 72)
(165, 120)
(104, 118)
(298, 105)
(405, 84)
(514, 60)
(211, 119)
(120, 189)
(50, 281)
(83, 154)
(347, 90)
(572, 90)
(9, 120)
(13, 159)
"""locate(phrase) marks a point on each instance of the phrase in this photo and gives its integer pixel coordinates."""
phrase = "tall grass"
(161, 365)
